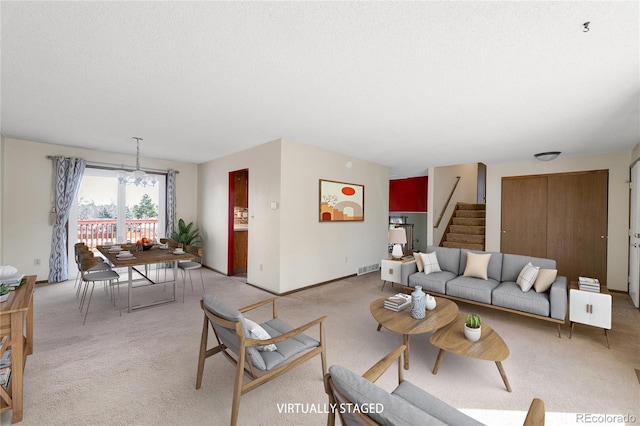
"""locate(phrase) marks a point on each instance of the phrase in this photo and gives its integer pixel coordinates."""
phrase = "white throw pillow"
(477, 265)
(257, 332)
(545, 278)
(527, 277)
(430, 263)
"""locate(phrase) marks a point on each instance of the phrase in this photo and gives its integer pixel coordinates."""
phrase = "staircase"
(466, 228)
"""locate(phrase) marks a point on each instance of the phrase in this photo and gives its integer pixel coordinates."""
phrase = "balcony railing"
(95, 232)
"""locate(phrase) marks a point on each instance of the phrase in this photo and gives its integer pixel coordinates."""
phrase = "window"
(107, 211)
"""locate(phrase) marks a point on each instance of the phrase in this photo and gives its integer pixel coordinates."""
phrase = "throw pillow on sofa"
(418, 259)
(545, 278)
(430, 262)
(477, 265)
(527, 277)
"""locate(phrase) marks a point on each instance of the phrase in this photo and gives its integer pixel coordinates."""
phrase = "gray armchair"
(260, 358)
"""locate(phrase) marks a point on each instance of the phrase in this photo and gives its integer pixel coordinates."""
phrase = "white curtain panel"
(171, 202)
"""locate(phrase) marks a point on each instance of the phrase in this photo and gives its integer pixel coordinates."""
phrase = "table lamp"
(397, 236)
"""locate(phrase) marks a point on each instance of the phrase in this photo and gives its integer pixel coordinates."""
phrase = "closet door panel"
(524, 216)
(577, 224)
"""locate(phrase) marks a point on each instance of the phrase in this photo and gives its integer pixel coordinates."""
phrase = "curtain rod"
(111, 166)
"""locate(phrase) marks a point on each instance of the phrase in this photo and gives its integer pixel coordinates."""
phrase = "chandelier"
(137, 177)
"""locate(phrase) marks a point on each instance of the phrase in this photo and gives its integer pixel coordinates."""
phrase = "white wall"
(312, 251)
(288, 247)
(263, 163)
(27, 195)
(618, 219)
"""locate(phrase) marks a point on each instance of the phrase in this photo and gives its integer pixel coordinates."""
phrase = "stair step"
(470, 213)
(462, 229)
(479, 247)
(469, 221)
(465, 238)
(471, 206)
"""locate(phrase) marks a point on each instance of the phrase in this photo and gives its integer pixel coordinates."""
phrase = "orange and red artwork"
(340, 201)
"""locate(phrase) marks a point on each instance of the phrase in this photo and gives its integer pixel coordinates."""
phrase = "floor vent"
(369, 268)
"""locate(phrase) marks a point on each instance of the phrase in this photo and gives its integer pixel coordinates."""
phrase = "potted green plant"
(185, 235)
(4, 292)
(473, 327)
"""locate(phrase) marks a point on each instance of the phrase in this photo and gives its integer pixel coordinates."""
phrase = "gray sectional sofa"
(499, 290)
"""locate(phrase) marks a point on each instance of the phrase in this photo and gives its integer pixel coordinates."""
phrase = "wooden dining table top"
(145, 257)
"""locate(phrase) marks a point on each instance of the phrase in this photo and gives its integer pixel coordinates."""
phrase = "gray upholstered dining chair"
(191, 265)
(261, 353)
(88, 261)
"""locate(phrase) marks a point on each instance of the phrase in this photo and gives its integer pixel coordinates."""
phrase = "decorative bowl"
(147, 247)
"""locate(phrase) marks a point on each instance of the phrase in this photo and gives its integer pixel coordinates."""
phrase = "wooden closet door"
(577, 224)
(524, 216)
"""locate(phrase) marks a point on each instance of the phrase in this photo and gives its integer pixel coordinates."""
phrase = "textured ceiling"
(406, 84)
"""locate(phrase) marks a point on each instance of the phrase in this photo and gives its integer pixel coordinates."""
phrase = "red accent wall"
(408, 195)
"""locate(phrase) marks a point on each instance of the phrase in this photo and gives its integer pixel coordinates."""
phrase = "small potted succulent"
(472, 327)
(4, 292)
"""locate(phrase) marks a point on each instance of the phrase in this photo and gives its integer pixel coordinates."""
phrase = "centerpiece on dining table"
(144, 244)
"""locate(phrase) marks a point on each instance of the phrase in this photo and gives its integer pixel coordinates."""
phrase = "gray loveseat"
(499, 290)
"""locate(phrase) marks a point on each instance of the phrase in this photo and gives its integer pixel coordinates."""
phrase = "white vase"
(472, 334)
(430, 302)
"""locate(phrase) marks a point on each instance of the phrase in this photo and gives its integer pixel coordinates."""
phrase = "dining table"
(157, 254)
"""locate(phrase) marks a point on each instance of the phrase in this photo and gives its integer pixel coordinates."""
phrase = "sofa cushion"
(434, 282)
(448, 258)
(418, 259)
(395, 410)
(430, 262)
(494, 269)
(432, 405)
(512, 264)
(545, 278)
(527, 276)
(472, 288)
(509, 295)
(477, 265)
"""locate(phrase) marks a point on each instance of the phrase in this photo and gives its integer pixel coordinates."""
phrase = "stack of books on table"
(397, 302)
(13, 282)
(589, 284)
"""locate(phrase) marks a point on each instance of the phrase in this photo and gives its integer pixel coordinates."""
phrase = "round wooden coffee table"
(490, 347)
(402, 322)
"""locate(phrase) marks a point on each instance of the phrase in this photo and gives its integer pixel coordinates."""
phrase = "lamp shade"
(397, 236)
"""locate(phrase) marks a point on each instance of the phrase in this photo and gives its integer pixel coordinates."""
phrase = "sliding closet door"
(577, 223)
(524, 216)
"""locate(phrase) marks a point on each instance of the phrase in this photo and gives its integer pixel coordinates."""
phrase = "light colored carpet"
(140, 368)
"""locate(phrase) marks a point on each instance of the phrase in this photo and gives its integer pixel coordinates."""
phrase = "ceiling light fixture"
(547, 156)
(137, 177)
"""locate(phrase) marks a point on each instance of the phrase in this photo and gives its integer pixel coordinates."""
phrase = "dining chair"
(88, 261)
(80, 248)
(190, 265)
(262, 352)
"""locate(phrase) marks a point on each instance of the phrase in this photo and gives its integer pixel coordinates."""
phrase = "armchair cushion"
(287, 348)
(432, 405)
(395, 410)
(257, 332)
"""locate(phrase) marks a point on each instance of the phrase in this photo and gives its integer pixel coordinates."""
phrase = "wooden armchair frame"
(535, 415)
(241, 360)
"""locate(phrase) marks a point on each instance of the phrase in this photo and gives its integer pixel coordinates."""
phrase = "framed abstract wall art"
(340, 201)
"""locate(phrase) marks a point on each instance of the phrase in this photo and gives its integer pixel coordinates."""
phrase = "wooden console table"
(14, 312)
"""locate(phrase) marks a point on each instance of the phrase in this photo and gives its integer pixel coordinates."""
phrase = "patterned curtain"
(171, 202)
(68, 174)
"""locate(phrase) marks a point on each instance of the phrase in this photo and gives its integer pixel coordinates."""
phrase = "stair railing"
(455, 185)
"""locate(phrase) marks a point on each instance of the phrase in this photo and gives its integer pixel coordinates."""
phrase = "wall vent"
(369, 268)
